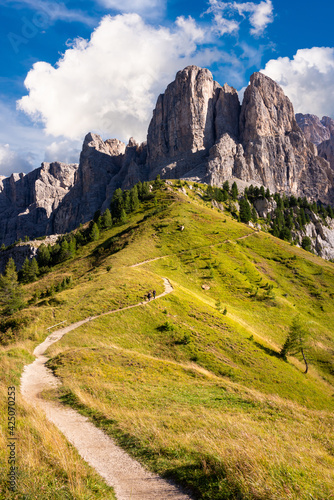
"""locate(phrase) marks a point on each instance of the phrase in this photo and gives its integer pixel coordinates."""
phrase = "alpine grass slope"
(194, 384)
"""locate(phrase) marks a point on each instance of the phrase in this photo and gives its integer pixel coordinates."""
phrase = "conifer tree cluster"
(128, 201)
(223, 194)
(11, 298)
(122, 204)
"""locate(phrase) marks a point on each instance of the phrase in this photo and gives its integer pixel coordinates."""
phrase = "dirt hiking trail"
(130, 480)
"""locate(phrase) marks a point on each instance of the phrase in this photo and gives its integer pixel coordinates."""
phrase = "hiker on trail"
(149, 296)
(154, 294)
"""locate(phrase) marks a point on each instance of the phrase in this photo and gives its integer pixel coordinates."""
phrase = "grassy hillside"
(191, 384)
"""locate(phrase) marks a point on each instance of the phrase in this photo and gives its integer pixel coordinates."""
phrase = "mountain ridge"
(199, 131)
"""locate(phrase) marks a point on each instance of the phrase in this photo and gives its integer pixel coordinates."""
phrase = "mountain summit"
(198, 131)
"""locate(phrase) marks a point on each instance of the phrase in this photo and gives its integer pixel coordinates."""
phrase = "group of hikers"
(150, 295)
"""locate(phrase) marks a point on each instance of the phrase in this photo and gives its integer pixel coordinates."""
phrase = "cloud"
(307, 79)
(146, 8)
(11, 161)
(50, 12)
(259, 15)
(23, 147)
(64, 151)
(110, 83)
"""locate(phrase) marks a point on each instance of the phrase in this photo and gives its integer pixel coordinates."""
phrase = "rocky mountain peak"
(188, 119)
(313, 128)
(266, 110)
(328, 122)
(320, 133)
(198, 131)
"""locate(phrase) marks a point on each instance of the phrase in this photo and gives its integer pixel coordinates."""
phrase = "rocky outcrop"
(321, 235)
(22, 251)
(104, 166)
(28, 202)
(264, 206)
(326, 151)
(314, 129)
(321, 133)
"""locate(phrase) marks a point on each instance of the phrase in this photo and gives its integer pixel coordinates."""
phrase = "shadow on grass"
(206, 478)
(268, 351)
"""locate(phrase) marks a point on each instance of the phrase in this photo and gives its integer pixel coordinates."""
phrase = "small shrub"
(184, 340)
(167, 327)
(306, 243)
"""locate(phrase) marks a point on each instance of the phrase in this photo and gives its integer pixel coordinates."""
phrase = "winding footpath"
(130, 480)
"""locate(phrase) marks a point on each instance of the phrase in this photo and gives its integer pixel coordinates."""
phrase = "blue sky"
(71, 67)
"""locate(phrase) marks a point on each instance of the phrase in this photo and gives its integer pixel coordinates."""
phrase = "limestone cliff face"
(314, 129)
(198, 131)
(28, 202)
(104, 166)
(188, 119)
(276, 151)
(326, 151)
(321, 133)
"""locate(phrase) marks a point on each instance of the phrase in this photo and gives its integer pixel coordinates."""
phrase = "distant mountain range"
(198, 131)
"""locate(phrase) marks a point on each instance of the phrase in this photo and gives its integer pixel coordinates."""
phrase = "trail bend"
(130, 480)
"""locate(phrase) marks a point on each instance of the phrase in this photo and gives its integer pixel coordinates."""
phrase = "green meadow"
(192, 384)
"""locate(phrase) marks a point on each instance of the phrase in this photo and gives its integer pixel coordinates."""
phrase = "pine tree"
(330, 212)
(306, 243)
(254, 215)
(10, 290)
(226, 186)
(245, 211)
(55, 253)
(210, 192)
(117, 204)
(64, 251)
(34, 269)
(25, 271)
(106, 219)
(134, 200)
(234, 191)
(296, 341)
(302, 217)
(126, 202)
(158, 182)
(43, 256)
(95, 233)
(123, 217)
(72, 247)
(139, 187)
(145, 191)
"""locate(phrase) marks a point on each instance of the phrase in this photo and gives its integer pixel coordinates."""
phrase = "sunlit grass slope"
(192, 384)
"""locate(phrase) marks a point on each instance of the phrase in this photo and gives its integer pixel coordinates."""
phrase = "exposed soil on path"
(130, 480)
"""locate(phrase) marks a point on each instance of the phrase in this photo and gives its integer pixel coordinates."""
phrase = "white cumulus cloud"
(307, 79)
(63, 151)
(11, 161)
(109, 84)
(260, 15)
